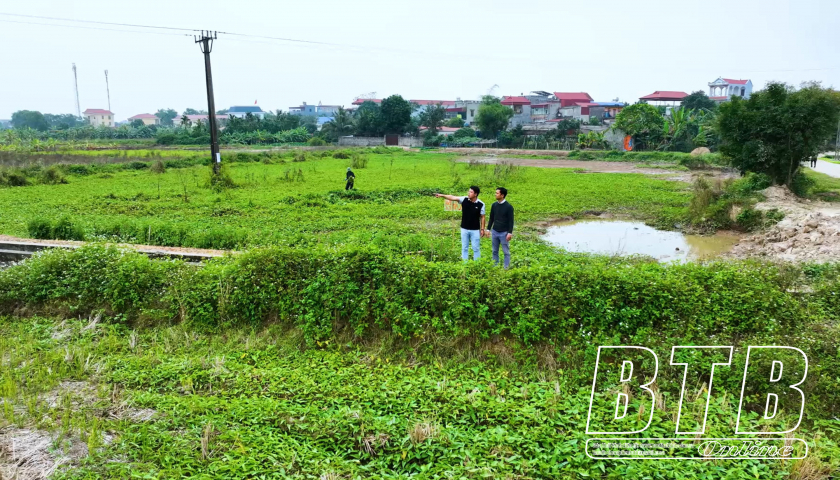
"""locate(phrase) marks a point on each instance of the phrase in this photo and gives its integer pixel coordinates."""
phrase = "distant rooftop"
(140, 116)
(97, 111)
(245, 109)
(665, 96)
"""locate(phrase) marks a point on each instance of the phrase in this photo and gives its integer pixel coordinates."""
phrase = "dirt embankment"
(810, 231)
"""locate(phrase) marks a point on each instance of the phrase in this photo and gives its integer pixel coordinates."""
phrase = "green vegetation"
(778, 128)
(296, 198)
(492, 117)
(385, 367)
(713, 202)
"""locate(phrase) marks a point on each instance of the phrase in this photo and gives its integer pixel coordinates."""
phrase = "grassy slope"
(261, 210)
(272, 410)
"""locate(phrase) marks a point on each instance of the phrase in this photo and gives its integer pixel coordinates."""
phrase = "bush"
(136, 166)
(323, 291)
(13, 178)
(802, 184)
(358, 161)
(316, 142)
(52, 176)
(39, 228)
(158, 167)
(221, 181)
(341, 154)
(64, 229)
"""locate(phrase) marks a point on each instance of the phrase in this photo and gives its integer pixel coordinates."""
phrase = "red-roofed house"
(146, 118)
(567, 99)
(99, 117)
(723, 89)
(664, 96)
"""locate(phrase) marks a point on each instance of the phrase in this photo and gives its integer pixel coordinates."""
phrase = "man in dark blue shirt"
(500, 226)
(472, 221)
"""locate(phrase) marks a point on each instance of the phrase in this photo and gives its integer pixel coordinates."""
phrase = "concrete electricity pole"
(206, 44)
(108, 90)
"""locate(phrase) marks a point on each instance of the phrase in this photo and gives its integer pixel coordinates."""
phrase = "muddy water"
(635, 238)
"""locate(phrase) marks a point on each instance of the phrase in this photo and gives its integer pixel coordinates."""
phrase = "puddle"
(609, 237)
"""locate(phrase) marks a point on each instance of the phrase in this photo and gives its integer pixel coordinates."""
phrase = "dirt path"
(596, 166)
(153, 250)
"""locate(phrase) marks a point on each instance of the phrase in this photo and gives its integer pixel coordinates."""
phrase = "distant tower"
(76, 84)
(108, 89)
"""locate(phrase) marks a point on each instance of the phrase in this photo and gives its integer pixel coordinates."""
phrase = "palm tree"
(340, 125)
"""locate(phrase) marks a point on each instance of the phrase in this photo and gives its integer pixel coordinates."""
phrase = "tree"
(340, 125)
(778, 128)
(63, 121)
(493, 117)
(369, 120)
(455, 122)
(137, 123)
(396, 114)
(432, 117)
(166, 116)
(464, 132)
(29, 119)
(698, 101)
(643, 122)
(223, 111)
(192, 111)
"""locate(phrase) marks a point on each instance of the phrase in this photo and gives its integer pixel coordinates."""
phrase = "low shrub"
(316, 142)
(158, 167)
(358, 161)
(52, 176)
(13, 178)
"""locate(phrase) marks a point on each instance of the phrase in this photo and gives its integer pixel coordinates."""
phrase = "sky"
(432, 50)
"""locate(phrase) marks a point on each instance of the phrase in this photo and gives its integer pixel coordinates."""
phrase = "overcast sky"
(438, 50)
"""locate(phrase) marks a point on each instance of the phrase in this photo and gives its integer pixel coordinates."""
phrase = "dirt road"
(595, 166)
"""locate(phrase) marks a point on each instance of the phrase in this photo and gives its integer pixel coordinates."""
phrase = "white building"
(99, 117)
(723, 89)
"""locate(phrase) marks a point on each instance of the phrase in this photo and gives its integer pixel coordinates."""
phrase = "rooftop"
(140, 116)
(665, 96)
(245, 109)
(572, 96)
(735, 82)
(515, 101)
(97, 111)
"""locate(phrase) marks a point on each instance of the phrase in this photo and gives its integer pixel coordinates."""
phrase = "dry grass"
(423, 431)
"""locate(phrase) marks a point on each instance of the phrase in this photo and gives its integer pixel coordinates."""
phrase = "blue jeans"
(468, 236)
(500, 238)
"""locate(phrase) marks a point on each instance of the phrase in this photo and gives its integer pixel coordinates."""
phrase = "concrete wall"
(376, 141)
(615, 138)
(361, 141)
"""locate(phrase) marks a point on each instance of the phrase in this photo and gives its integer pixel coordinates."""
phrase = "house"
(315, 110)
(240, 111)
(99, 117)
(146, 118)
(568, 99)
(664, 96)
(611, 109)
(537, 108)
(723, 89)
(192, 119)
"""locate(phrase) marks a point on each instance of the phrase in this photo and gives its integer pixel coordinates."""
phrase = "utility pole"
(108, 89)
(206, 44)
(76, 85)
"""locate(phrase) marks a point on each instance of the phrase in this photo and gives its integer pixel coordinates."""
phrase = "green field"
(301, 203)
(170, 403)
(349, 341)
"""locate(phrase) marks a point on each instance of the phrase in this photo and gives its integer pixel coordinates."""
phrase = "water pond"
(613, 237)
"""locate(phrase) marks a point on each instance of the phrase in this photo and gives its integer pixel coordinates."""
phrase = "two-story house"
(146, 118)
(723, 89)
(99, 117)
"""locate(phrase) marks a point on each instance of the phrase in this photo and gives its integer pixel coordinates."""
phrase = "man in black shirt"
(472, 221)
(351, 179)
(500, 226)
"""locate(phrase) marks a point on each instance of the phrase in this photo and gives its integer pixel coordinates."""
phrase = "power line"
(96, 28)
(96, 22)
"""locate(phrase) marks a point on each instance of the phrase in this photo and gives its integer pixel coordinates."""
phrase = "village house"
(315, 110)
(240, 111)
(723, 89)
(99, 117)
(146, 118)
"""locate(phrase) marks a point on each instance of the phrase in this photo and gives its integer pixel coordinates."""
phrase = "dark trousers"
(349, 185)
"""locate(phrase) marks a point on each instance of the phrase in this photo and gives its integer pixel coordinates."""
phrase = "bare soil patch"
(810, 231)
